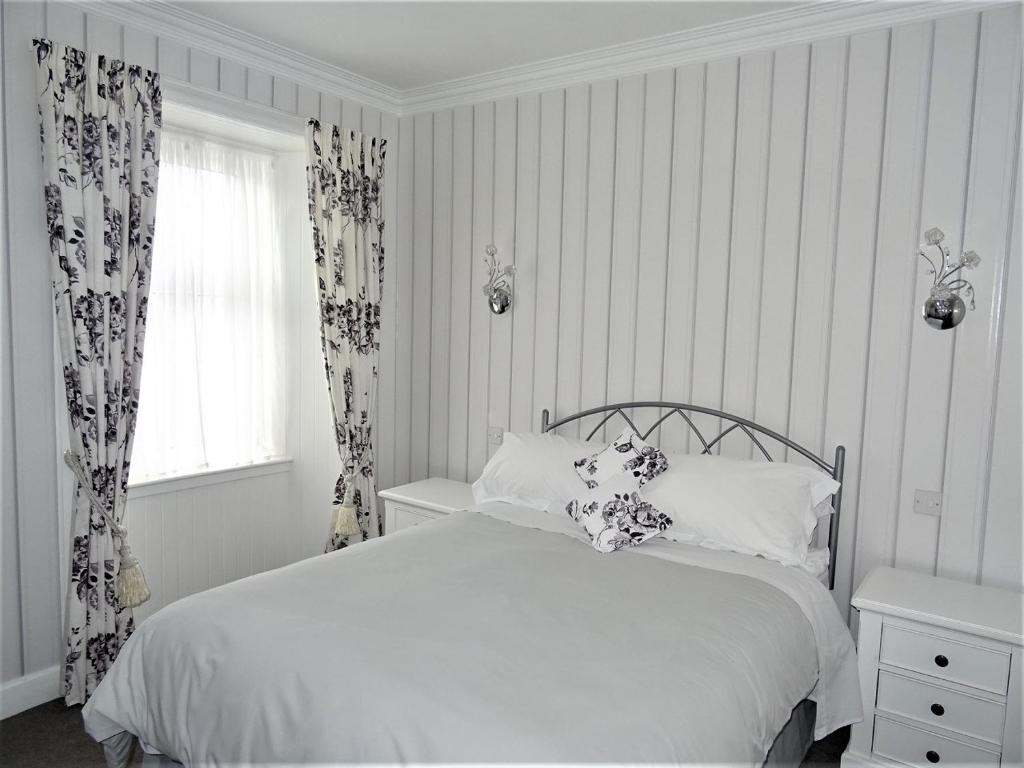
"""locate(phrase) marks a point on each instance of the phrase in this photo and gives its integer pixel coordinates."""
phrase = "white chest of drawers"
(414, 503)
(940, 673)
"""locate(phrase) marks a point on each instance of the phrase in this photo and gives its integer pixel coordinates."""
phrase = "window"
(212, 393)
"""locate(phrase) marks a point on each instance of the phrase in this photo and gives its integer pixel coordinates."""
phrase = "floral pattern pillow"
(627, 453)
(616, 515)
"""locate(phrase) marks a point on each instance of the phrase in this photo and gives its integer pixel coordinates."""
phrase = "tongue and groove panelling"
(740, 234)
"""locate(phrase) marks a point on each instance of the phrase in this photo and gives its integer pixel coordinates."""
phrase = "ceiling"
(407, 45)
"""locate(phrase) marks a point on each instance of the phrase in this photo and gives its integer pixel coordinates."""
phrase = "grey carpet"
(51, 736)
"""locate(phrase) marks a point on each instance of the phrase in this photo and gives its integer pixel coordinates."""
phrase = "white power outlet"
(928, 502)
(495, 435)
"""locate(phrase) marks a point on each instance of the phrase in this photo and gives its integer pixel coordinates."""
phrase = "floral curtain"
(100, 131)
(345, 174)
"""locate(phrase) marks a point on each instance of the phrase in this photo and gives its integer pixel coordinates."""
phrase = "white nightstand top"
(989, 612)
(436, 493)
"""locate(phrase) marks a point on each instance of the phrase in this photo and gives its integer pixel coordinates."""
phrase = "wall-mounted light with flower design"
(944, 309)
(498, 289)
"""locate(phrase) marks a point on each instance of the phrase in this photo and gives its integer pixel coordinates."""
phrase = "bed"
(494, 635)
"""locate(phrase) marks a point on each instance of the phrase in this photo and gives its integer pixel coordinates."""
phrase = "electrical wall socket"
(928, 502)
(495, 435)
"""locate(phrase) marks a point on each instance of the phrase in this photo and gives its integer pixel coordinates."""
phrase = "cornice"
(194, 30)
(801, 24)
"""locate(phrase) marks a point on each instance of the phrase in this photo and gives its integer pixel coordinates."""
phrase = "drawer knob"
(938, 710)
(932, 755)
(941, 661)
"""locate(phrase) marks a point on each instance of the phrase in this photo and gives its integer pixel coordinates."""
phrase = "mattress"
(493, 636)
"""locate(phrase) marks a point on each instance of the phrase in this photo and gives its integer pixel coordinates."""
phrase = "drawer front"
(968, 664)
(940, 707)
(914, 746)
(406, 517)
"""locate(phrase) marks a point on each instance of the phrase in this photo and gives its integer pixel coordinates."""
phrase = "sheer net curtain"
(212, 387)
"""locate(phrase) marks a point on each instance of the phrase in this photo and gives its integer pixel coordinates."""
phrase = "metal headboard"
(746, 426)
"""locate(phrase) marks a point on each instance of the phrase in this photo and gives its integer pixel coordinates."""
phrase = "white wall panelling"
(399, 448)
(207, 536)
(988, 226)
(523, 251)
(572, 250)
(741, 234)
(944, 183)
(683, 235)
(598, 243)
(10, 628)
(745, 272)
(1001, 560)
(441, 293)
(192, 539)
(857, 224)
(231, 80)
(37, 611)
(422, 271)
(460, 319)
(549, 236)
(478, 405)
(505, 227)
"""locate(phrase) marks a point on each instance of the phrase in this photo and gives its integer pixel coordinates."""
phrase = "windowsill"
(208, 477)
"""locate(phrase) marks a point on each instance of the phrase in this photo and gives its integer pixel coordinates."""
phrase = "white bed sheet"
(470, 639)
(837, 692)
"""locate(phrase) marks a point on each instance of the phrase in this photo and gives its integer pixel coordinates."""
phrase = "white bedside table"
(411, 504)
(940, 672)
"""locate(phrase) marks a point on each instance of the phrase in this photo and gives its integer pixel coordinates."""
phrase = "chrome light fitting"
(498, 289)
(944, 309)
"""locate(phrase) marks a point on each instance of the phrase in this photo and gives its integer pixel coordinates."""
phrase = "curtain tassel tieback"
(132, 587)
(345, 521)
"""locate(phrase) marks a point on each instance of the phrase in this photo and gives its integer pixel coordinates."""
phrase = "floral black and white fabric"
(345, 174)
(615, 515)
(100, 122)
(627, 453)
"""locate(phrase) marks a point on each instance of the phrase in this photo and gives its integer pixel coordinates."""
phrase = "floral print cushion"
(627, 453)
(615, 515)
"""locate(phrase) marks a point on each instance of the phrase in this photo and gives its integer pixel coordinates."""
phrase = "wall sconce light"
(498, 289)
(944, 309)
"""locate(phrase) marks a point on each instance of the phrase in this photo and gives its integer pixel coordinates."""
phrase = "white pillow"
(754, 507)
(533, 470)
(615, 515)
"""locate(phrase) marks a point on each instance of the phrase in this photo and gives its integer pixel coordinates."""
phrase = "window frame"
(175, 483)
(241, 132)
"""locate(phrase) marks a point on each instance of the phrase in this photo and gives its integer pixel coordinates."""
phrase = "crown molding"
(802, 24)
(194, 30)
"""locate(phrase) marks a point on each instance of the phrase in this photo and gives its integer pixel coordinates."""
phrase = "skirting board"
(29, 691)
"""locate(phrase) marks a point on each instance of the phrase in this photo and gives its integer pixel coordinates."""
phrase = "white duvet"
(479, 638)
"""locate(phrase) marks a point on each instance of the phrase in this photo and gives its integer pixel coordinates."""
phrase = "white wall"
(737, 234)
(188, 539)
(10, 635)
